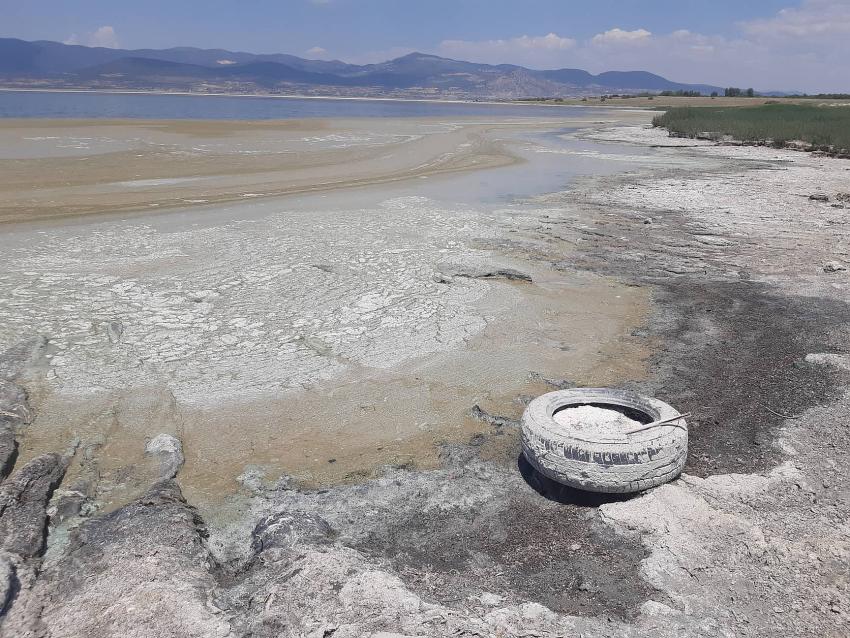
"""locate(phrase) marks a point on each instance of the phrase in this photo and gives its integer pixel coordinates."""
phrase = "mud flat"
(320, 337)
(339, 375)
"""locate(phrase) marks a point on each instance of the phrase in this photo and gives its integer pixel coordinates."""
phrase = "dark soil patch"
(732, 351)
(527, 549)
(735, 359)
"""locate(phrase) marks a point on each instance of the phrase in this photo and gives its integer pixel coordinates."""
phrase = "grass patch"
(822, 126)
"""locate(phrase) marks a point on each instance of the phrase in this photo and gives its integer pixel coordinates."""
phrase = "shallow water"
(552, 160)
(220, 107)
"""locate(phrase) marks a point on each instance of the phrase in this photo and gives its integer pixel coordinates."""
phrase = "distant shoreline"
(279, 96)
(655, 102)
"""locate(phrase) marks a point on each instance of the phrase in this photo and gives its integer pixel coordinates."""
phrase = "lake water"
(149, 106)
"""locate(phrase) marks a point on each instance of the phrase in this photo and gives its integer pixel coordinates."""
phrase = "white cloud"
(551, 41)
(814, 18)
(317, 53)
(619, 36)
(524, 49)
(104, 36)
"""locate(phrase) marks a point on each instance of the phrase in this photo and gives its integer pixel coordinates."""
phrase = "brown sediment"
(345, 430)
(166, 170)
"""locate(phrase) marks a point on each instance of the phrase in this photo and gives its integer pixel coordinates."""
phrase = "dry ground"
(747, 329)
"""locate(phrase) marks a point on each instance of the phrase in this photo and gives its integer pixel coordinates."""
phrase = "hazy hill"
(60, 65)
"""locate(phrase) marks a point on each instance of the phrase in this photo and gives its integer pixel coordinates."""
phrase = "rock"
(169, 450)
(505, 273)
(833, 266)
(490, 600)
(284, 529)
(819, 198)
(843, 197)
(23, 504)
(8, 450)
(69, 504)
(558, 384)
(7, 582)
(143, 570)
(14, 407)
(797, 145)
(489, 273)
(840, 361)
(497, 421)
(14, 411)
(15, 359)
(253, 479)
(114, 330)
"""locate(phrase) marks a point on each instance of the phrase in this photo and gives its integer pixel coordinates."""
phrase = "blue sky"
(791, 44)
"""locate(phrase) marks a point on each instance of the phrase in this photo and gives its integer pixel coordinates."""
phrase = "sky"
(767, 44)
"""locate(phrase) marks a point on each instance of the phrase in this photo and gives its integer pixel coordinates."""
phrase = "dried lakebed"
(752, 540)
(377, 318)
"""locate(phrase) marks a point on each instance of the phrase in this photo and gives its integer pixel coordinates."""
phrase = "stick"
(784, 416)
(649, 426)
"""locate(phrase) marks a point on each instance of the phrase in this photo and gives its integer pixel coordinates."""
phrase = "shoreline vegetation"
(801, 127)
(668, 99)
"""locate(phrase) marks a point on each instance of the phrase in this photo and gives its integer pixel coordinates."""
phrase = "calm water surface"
(116, 105)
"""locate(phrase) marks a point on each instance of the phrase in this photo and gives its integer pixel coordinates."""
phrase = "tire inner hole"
(632, 413)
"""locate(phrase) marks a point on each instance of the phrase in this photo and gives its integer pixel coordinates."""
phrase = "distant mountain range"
(45, 64)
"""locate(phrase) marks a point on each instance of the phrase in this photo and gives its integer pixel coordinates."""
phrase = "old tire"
(598, 463)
